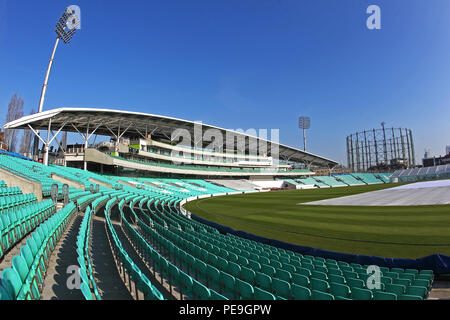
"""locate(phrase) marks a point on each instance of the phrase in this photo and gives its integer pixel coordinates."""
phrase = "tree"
(27, 139)
(15, 111)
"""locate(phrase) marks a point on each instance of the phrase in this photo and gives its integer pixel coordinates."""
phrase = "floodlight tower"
(304, 123)
(65, 29)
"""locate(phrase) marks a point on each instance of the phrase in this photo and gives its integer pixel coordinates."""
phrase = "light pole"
(65, 29)
(304, 123)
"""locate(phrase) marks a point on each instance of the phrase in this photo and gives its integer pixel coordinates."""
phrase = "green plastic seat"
(319, 285)
(248, 275)
(200, 292)
(86, 291)
(319, 275)
(361, 294)
(300, 280)
(260, 294)
(234, 269)
(217, 296)
(339, 290)
(281, 288)
(227, 284)
(319, 295)
(379, 295)
(268, 270)
(4, 295)
(244, 290)
(408, 297)
(355, 283)
(12, 283)
(395, 289)
(300, 292)
(417, 291)
(212, 276)
(336, 279)
(263, 281)
(283, 275)
(401, 281)
(186, 283)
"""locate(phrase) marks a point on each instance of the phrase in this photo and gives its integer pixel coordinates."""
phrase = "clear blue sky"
(242, 64)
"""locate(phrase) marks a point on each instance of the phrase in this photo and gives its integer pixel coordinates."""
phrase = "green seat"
(304, 271)
(268, 270)
(335, 272)
(12, 283)
(4, 294)
(283, 275)
(395, 289)
(401, 281)
(415, 272)
(217, 296)
(300, 292)
(417, 291)
(411, 277)
(398, 270)
(263, 281)
(339, 290)
(300, 280)
(244, 290)
(336, 279)
(289, 268)
(281, 288)
(319, 275)
(227, 284)
(248, 275)
(86, 291)
(319, 295)
(234, 269)
(319, 285)
(379, 295)
(409, 297)
(355, 283)
(421, 283)
(361, 294)
(212, 276)
(200, 292)
(186, 284)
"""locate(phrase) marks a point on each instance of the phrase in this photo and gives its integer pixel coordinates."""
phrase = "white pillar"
(46, 145)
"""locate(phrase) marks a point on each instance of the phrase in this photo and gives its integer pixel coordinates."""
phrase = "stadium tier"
(419, 174)
(368, 178)
(186, 259)
(150, 145)
(349, 179)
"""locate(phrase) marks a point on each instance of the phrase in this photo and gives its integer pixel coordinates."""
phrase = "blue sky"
(242, 64)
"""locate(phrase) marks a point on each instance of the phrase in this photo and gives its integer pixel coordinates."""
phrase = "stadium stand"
(368, 178)
(238, 184)
(330, 181)
(418, 174)
(348, 179)
(193, 259)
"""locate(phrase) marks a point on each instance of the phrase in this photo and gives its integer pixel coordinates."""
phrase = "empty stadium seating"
(195, 259)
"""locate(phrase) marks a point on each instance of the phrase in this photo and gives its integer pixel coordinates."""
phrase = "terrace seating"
(192, 257)
(23, 279)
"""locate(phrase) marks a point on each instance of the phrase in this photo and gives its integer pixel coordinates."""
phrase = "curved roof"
(109, 122)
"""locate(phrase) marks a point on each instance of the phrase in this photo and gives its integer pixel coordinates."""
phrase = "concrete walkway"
(55, 283)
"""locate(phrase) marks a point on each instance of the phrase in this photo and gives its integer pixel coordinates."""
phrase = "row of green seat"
(16, 224)
(8, 203)
(126, 263)
(185, 283)
(24, 279)
(394, 280)
(86, 273)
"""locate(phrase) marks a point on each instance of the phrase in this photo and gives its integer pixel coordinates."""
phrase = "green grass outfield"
(396, 232)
